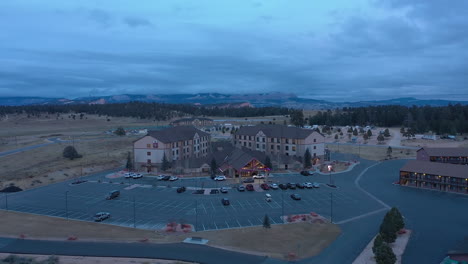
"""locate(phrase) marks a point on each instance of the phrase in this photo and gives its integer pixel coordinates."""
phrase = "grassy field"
(372, 152)
(302, 239)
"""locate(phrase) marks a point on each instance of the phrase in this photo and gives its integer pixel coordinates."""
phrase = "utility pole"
(282, 204)
(331, 207)
(134, 213)
(66, 204)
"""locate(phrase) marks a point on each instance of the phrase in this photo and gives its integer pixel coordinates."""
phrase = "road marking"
(356, 182)
(227, 224)
(238, 223)
(361, 216)
(250, 222)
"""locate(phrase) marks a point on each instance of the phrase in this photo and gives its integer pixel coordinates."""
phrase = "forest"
(155, 111)
(451, 119)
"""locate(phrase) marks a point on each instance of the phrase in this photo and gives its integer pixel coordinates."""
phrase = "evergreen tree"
(365, 136)
(388, 228)
(165, 163)
(213, 166)
(389, 151)
(297, 118)
(129, 165)
(307, 159)
(336, 136)
(386, 133)
(268, 162)
(384, 255)
(120, 131)
(380, 138)
(355, 132)
(70, 152)
(369, 133)
(266, 222)
(397, 219)
(378, 241)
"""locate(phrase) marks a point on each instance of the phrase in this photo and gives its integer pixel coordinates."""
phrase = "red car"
(264, 186)
(249, 187)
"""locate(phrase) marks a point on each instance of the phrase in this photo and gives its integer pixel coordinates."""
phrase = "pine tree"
(307, 159)
(378, 241)
(355, 132)
(129, 165)
(384, 255)
(369, 133)
(266, 222)
(380, 138)
(268, 162)
(388, 228)
(397, 219)
(389, 151)
(165, 163)
(213, 167)
(386, 133)
(70, 152)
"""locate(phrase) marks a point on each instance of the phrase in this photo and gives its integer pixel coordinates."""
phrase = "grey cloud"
(100, 16)
(137, 22)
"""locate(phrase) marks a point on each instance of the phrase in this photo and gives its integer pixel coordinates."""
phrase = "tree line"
(449, 119)
(142, 110)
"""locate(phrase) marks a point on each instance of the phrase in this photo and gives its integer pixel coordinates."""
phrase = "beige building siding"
(149, 145)
(315, 142)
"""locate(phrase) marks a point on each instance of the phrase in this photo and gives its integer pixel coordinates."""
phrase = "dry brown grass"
(302, 239)
(373, 152)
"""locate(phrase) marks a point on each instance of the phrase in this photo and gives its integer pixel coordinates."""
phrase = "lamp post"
(331, 207)
(282, 204)
(134, 213)
(6, 201)
(330, 168)
(66, 204)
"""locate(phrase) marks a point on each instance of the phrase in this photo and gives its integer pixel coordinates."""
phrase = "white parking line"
(250, 222)
(238, 223)
(227, 224)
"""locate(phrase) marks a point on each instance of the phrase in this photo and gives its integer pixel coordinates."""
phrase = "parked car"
(220, 178)
(101, 216)
(308, 185)
(181, 189)
(295, 196)
(201, 191)
(264, 186)
(173, 178)
(128, 175)
(307, 173)
(268, 197)
(249, 180)
(225, 201)
(241, 188)
(137, 175)
(291, 185)
(300, 185)
(274, 186)
(112, 194)
(249, 187)
(160, 177)
(214, 191)
(283, 186)
(166, 178)
(315, 185)
(223, 189)
(259, 176)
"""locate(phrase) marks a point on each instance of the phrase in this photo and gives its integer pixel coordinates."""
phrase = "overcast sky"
(337, 50)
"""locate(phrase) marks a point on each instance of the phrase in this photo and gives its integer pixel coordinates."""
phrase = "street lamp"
(134, 213)
(282, 204)
(66, 204)
(330, 168)
(331, 207)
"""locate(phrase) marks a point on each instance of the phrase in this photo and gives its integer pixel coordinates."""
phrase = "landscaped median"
(284, 241)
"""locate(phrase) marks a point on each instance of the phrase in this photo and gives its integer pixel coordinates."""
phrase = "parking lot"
(150, 204)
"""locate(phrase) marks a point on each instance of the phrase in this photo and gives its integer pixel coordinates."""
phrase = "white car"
(316, 185)
(173, 178)
(128, 174)
(259, 176)
(137, 175)
(160, 177)
(308, 185)
(274, 186)
(220, 178)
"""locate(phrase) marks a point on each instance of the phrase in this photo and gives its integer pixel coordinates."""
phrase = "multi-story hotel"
(278, 139)
(177, 143)
(442, 169)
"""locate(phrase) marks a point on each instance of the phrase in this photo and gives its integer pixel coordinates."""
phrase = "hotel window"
(272, 140)
(148, 153)
(315, 147)
(148, 145)
(263, 146)
(148, 161)
(315, 140)
(294, 141)
(287, 141)
(272, 147)
(257, 146)
(263, 139)
(286, 148)
(293, 148)
(245, 144)
(177, 151)
(315, 154)
(250, 144)
(278, 140)
(278, 147)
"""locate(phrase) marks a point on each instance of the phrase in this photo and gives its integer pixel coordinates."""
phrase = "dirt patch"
(371, 152)
(439, 143)
(95, 260)
(298, 239)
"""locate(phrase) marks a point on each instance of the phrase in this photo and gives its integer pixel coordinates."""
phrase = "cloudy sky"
(337, 50)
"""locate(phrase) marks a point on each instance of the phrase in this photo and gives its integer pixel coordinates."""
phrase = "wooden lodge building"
(442, 169)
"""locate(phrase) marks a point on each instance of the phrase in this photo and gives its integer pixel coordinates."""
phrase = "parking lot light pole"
(282, 205)
(6, 201)
(196, 215)
(66, 204)
(134, 213)
(331, 207)
(330, 168)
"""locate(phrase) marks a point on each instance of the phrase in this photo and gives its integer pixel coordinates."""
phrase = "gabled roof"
(276, 131)
(446, 152)
(436, 168)
(178, 133)
(189, 119)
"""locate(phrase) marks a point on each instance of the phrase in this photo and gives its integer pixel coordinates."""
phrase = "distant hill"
(288, 100)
